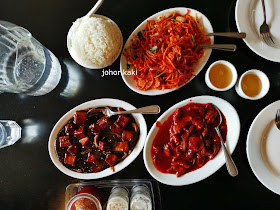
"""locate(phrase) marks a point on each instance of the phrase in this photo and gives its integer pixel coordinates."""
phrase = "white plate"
(233, 125)
(98, 103)
(249, 17)
(263, 146)
(198, 67)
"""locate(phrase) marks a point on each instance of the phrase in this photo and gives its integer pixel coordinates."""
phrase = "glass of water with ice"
(10, 132)
(26, 66)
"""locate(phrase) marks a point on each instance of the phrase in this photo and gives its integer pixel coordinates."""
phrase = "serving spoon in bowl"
(153, 109)
(231, 167)
(224, 47)
(94, 9)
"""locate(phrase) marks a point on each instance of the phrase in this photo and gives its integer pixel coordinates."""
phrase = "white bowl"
(264, 80)
(97, 103)
(233, 72)
(128, 79)
(233, 125)
(93, 66)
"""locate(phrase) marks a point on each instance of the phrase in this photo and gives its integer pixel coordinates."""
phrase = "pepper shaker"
(118, 199)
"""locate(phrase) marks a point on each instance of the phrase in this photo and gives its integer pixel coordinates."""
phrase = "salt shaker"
(140, 198)
(118, 199)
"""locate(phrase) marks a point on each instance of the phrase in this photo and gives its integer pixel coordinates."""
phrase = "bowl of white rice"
(94, 42)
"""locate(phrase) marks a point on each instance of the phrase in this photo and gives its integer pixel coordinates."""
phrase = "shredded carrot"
(165, 52)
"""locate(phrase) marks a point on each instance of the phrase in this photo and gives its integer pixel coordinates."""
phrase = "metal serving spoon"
(225, 47)
(237, 35)
(153, 109)
(232, 170)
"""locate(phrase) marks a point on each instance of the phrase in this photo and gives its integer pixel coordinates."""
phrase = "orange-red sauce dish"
(187, 140)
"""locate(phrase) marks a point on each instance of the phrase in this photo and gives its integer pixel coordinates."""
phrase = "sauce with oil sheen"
(251, 85)
(186, 141)
(220, 76)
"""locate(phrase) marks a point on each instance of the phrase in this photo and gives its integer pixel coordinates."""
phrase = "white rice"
(94, 42)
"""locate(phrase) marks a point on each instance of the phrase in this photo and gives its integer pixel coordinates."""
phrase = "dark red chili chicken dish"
(187, 140)
(91, 141)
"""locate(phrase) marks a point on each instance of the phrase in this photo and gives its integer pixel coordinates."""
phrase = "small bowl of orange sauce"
(253, 85)
(221, 75)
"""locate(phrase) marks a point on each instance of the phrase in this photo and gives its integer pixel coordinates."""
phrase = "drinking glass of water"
(10, 132)
(26, 66)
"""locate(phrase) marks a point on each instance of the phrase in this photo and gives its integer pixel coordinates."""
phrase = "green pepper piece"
(193, 40)
(153, 49)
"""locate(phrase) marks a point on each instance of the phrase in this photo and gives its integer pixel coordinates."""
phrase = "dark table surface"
(28, 178)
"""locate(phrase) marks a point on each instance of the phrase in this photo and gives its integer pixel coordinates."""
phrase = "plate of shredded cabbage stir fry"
(164, 52)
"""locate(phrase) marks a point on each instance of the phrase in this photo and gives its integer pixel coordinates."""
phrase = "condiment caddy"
(128, 192)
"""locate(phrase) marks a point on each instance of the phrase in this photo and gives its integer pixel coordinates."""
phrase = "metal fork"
(264, 30)
(277, 119)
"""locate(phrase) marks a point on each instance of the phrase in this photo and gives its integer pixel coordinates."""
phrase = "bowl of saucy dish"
(164, 52)
(183, 148)
(86, 144)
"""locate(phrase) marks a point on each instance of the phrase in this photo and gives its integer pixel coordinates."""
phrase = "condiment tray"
(106, 186)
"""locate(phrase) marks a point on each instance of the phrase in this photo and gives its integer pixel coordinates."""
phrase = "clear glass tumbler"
(10, 132)
(26, 66)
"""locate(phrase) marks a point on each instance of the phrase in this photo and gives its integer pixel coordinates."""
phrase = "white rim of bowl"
(231, 68)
